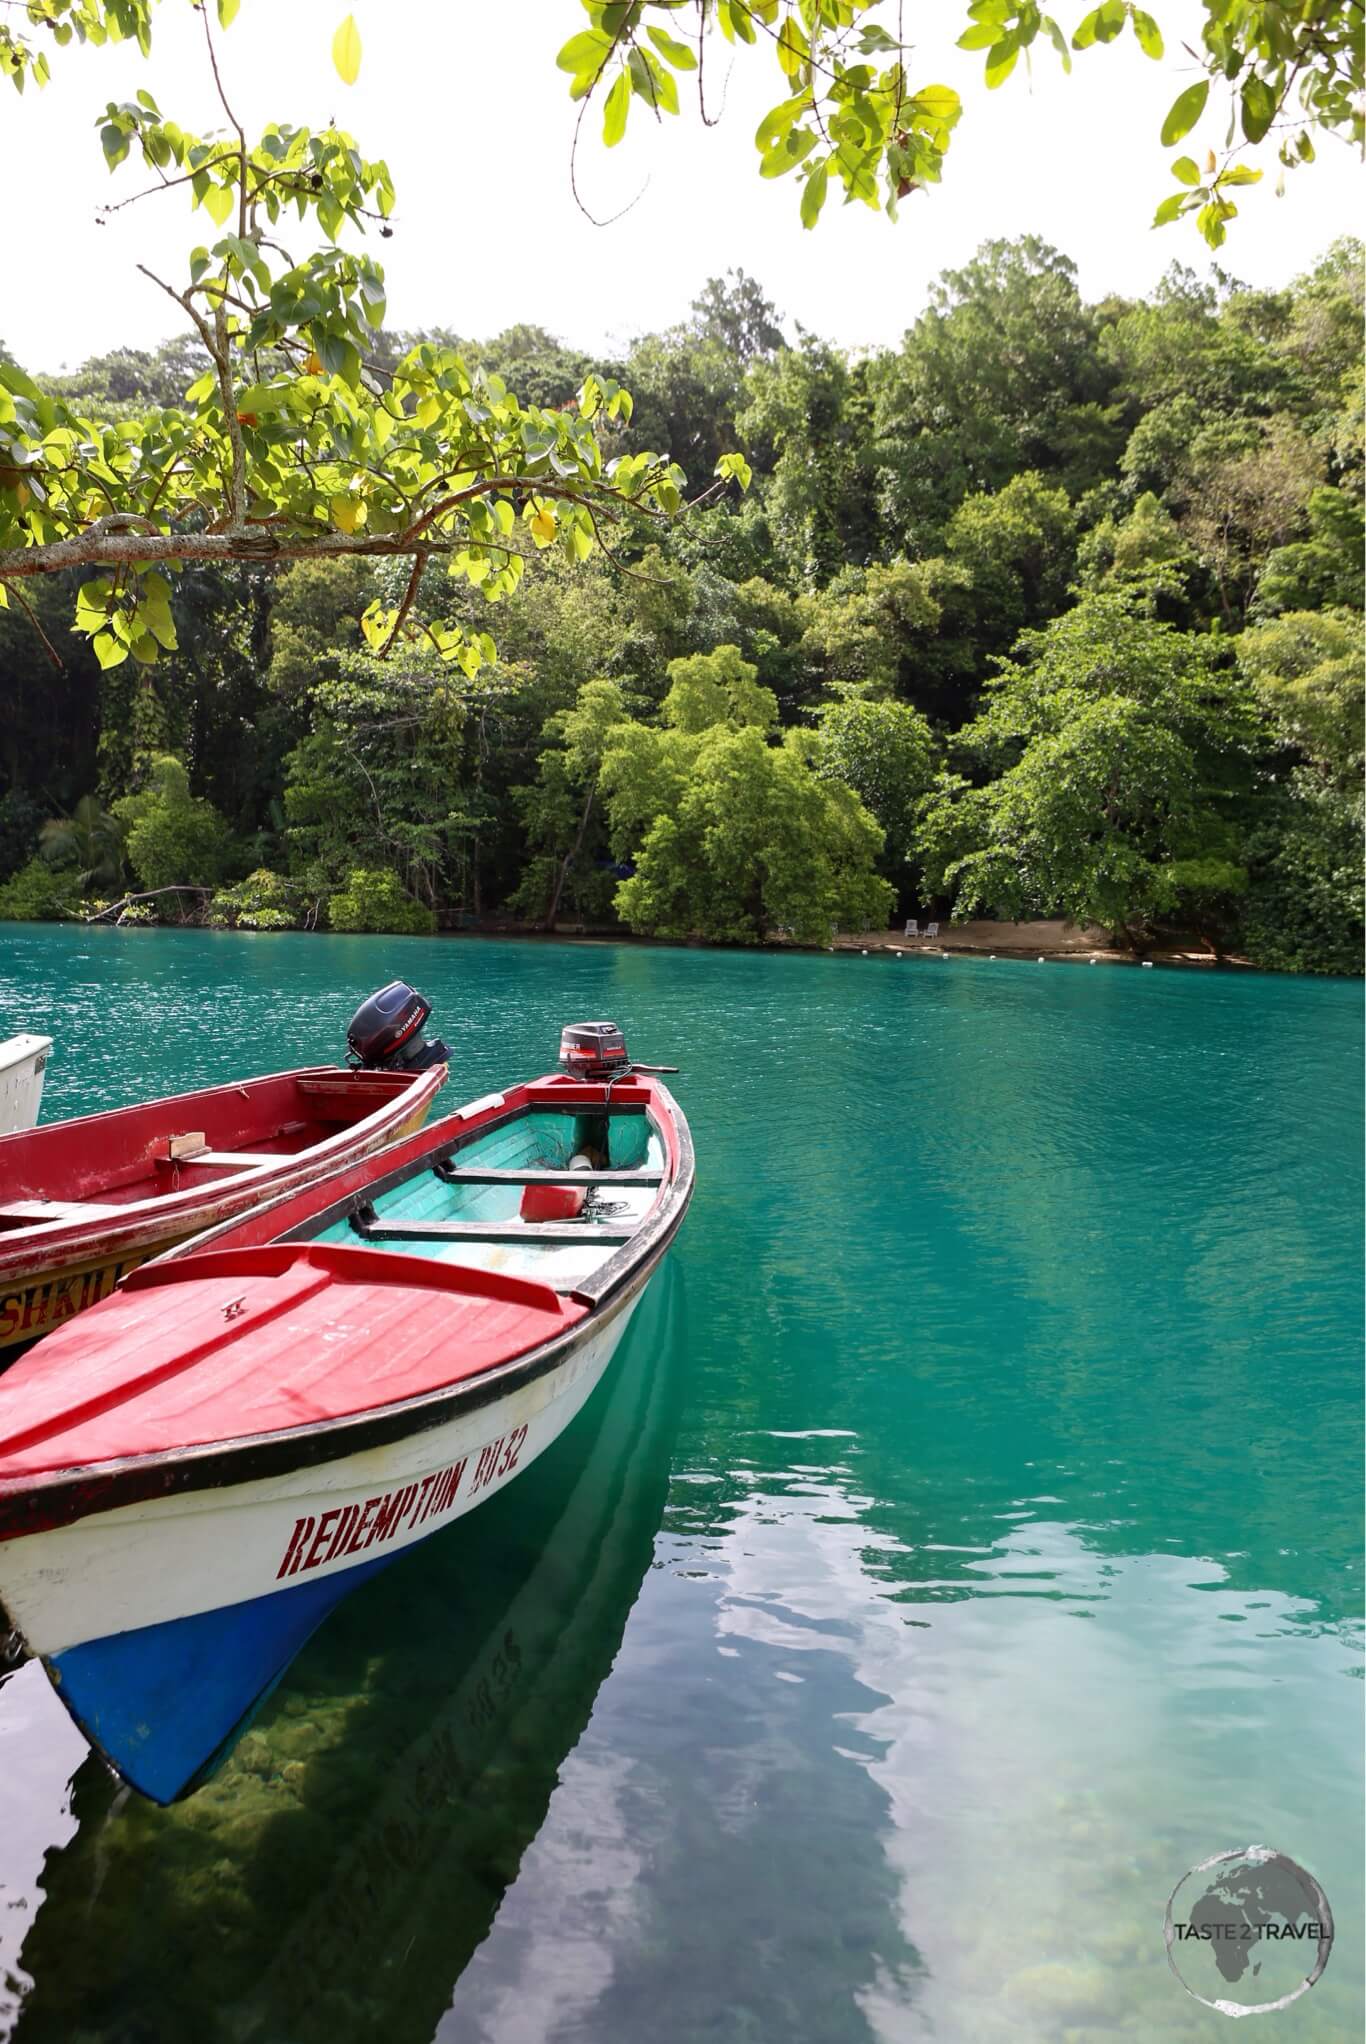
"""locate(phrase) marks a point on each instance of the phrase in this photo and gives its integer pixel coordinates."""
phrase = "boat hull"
(23, 1064)
(181, 1613)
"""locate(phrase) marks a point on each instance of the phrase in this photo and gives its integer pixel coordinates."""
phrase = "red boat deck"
(264, 1339)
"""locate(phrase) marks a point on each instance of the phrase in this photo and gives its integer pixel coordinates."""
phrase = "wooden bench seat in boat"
(193, 1149)
(492, 1231)
(469, 1175)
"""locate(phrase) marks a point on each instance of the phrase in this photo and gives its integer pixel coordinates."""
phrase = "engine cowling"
(385, 1033)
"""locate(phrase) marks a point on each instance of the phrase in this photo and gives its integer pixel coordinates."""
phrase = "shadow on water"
(335, 1878)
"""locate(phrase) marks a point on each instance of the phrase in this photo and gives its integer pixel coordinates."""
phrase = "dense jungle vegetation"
(1055, 609)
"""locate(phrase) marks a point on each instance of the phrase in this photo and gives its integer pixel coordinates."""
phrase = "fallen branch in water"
(116, 908)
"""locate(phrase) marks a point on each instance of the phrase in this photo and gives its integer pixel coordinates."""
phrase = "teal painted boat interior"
(535, 1141)
(965, 1543)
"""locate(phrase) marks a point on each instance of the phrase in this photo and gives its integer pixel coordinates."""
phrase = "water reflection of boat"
(333, 1882)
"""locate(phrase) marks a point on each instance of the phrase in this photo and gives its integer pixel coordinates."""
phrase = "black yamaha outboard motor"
(386, 1033)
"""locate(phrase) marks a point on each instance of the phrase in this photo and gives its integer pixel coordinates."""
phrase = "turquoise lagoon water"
(965, 1543)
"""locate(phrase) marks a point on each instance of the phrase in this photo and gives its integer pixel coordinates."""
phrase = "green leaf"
(793, 49)
(262, 397)
(1210, 220)
(346, 51)
(787, 154)
(1059, 42)
(218, 203)
(160, 624)
(13, 378)
(934, 106)
(584, 52)
(1001, 61)
(779, 119)
(109, 651)
(227, 12)
(1238, 174)
(1259, 108)
(615, 110)
(676, 53)
(1148, 33)
(1086, 31)
(980, 36)
(1109, 20)
(1187, 169)
(662, 92)
(813, 194)
(1186, 111)
(1169, 210)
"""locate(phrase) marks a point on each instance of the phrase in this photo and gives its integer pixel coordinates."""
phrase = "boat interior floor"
(468, 1210)
(177, 1157)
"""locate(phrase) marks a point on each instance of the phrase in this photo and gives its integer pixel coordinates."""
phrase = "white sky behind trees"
(463, 99)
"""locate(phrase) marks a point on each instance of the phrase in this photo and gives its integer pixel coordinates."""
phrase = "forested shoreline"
(1052, 610)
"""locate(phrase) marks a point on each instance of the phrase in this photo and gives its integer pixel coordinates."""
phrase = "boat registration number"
(347, 1530)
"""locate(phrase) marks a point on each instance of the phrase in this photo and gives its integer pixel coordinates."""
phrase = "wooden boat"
(23, 1062)
(83, 1202)
(197, 1470)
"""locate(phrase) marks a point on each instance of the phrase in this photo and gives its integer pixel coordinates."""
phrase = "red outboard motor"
(386, 1033)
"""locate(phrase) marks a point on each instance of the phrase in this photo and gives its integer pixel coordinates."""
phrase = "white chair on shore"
(931, 929)
(913, 927)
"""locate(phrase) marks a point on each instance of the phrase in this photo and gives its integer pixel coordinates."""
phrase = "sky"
(463, 99)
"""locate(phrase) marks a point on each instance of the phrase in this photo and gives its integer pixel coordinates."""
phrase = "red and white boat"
(198, 1469)
(83, 1202)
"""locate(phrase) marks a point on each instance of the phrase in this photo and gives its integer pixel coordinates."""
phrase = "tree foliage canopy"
(296, 441)
(1071, 632)
(854, 114)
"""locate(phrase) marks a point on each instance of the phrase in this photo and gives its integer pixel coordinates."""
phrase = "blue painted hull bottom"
(163, 1703)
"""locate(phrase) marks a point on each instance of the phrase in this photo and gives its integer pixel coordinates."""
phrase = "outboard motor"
(386, 1033)
(593, 1050)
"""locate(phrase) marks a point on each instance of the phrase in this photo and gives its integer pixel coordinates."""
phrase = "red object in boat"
(552, 1202)
(83, 1202)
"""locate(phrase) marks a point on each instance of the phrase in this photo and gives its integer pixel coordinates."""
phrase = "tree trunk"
(553, 907)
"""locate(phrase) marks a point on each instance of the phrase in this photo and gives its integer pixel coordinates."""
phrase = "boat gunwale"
(30, 1250)
(43, 1501)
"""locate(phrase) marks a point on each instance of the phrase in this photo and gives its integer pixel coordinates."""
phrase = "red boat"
(83, 1202)
(197, 1472)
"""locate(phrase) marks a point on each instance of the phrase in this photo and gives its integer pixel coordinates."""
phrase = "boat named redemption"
(195, 1472)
